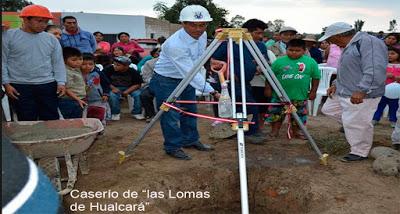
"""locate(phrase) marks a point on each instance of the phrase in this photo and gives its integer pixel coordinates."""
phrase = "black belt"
(168, 77)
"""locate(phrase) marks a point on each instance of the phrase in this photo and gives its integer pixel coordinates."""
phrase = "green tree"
(393, 25)
(358, 24)
(171, 14)
(278, 24)
(271, 26)
(237, 21)
(13, 5)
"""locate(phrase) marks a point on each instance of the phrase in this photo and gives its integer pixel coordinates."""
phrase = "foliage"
(358, 24)
(13, 5)
(237, 21)
(171, 14)
(393, 25)
(278, 24)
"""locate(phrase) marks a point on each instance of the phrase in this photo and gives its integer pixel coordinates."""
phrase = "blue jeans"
(178, 130)
(393, 106)
(70, 108)
(36, 102)
(115, 101)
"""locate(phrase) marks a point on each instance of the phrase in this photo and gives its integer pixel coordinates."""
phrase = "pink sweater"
(395, 70)
(129, 47)
(334, 56)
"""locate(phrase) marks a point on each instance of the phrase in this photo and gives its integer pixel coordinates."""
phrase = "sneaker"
(179, 154)
(148, 119)
(374, 122)
(138, 116)
(199, 146)
(341, 129)
(352, 157)
(115, 117)
(393, 124)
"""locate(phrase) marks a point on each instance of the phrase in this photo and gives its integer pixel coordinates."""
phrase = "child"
(97, 88)
(71, 105)
(294, 72)
(393, 75)
(124, 81)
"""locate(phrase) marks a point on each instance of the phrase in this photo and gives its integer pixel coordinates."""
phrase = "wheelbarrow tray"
(60, 146)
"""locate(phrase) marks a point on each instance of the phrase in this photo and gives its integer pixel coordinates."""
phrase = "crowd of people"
(73, 73)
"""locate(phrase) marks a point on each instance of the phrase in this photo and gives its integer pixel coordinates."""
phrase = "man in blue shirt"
(179, 54)
(256, 28)
(74, 36)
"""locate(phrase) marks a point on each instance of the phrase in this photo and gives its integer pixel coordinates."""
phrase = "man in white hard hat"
(360, 84)
(179, 54)
(33, 69)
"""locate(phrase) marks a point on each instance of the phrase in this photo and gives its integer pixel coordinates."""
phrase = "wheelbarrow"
(48, 151)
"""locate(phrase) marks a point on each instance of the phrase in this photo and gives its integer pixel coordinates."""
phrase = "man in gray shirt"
(33, 69)
(360, 85)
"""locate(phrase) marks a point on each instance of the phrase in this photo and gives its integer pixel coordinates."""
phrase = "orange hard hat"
(35, 11)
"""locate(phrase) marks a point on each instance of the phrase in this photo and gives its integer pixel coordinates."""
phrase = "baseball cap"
(123, 60)
(287, 28)
(335, 29)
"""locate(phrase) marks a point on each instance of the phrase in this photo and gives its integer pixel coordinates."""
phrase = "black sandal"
(352, 157)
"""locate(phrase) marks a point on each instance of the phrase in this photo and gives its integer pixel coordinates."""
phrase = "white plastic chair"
(326, 74)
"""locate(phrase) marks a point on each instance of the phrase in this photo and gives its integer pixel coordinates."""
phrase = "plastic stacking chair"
(326, 74)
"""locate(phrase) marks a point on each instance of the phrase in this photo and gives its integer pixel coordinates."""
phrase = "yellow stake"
(324, 159)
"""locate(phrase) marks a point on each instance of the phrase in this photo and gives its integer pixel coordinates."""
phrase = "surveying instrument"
(241, 37)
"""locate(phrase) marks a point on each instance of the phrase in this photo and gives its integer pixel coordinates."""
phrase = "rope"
(289, 109)
(202, 115)
(237, 103)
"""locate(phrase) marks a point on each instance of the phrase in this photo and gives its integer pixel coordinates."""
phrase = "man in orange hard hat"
(33, 70)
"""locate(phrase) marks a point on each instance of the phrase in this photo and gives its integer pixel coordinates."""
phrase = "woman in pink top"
(103, 48)
(333, 56)
(130, 47)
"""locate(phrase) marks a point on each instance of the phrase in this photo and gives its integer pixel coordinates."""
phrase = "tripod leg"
(232, 74)
(172, 97)
(240, 133)
(282, 94)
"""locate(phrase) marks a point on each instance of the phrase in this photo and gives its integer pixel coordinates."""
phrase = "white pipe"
(242, 79)
(232, 76)
(242, 169)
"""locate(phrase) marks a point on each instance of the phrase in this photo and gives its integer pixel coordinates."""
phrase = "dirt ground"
(283, 176)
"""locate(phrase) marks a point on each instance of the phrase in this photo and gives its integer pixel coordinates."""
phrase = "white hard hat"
(392, 90)
(287, 28)
(194, 13)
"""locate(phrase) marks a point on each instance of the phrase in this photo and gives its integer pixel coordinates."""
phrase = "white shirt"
(179, 54)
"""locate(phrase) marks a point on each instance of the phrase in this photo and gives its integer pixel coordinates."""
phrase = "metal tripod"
(240, 36)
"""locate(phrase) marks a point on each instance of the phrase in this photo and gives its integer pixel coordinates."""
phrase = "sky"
(307, 16)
